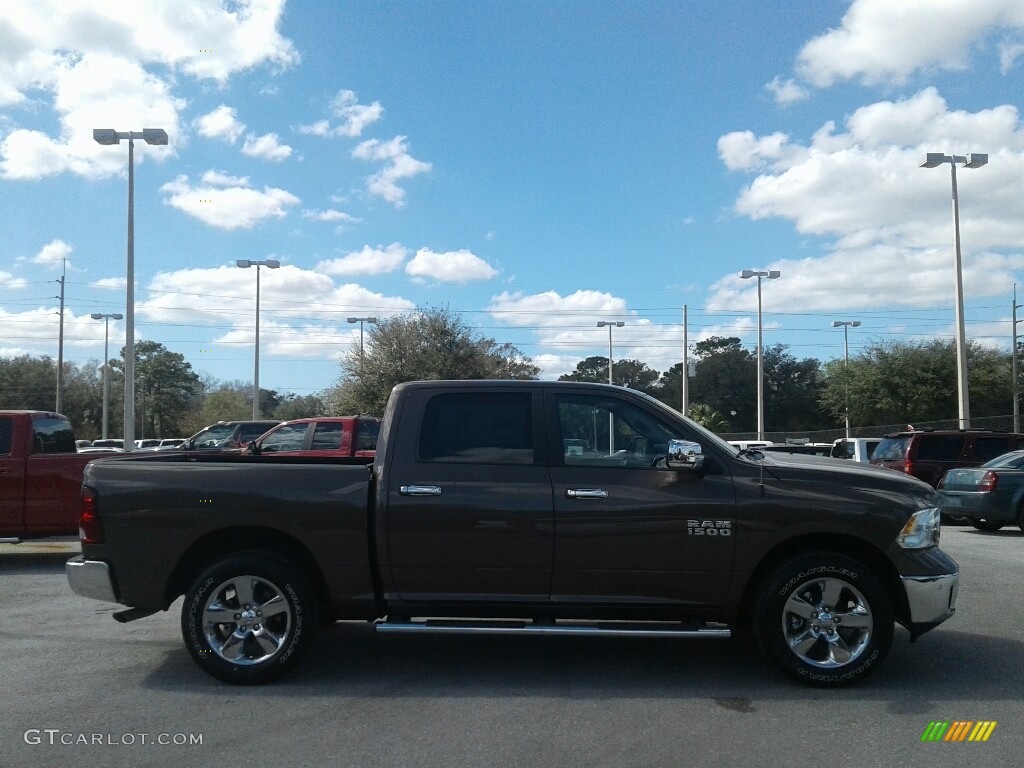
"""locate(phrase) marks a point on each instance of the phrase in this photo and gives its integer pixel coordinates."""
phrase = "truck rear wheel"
(824, 618)
(248, 619)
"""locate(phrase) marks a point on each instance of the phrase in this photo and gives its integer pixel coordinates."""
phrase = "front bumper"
(931, 599)
(91, 578)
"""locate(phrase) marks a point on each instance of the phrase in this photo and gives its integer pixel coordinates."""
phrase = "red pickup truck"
(321, 436)
(40, 475)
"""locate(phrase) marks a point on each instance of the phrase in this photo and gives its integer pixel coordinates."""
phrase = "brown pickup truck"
(546, 508)
(40, 475)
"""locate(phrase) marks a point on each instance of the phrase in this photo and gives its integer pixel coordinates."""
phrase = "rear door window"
(892, 449)
(478, 427)
(988, 447)
(940, 447)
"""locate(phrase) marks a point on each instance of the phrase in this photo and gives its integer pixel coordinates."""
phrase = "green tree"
(30, 383)
(428, 344)
(726, 380)
(166, 389)
(792, 393)
(292, 406)
(708, 417)
(896, 382)
(625, 373)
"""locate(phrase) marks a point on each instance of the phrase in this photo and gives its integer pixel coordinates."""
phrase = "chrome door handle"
(586, 493)
(420, 490)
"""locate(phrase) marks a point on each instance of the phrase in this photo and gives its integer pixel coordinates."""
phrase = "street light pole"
(772, 274)
(361, 320)
(60, 345)
(846, 325)
(245, 264)
(107, 136)
(1015, 368)
(106, 363)
(973, 160)
(611, 419)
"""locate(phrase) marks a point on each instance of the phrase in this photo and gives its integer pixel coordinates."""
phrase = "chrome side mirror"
(684, 454)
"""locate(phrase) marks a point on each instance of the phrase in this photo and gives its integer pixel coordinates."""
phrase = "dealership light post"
(361, 320)
(245, 264)
(106, 318)
(973, 160)
(772, 274)
(611, 419)
(846, 325)
(157, 136)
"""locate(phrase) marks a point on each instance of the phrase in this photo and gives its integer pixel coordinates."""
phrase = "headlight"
(921, 530)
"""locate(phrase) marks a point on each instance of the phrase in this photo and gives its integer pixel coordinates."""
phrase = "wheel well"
(229, 541)
(844, 545)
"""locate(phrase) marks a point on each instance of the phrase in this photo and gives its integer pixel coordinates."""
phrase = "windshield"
(213, 437)
(705, 436)
(1013, 460)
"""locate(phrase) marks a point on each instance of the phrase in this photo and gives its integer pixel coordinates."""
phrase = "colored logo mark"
(959, 730)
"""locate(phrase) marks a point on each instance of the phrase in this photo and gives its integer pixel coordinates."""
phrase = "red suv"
(927, 454)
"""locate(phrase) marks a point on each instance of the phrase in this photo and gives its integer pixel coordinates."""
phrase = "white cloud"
(329, 215)
(221, 123)
(319, 128)
(53, 252)
(786, 92)
(7, 280)
(880, 41)
(221, 179)
(566, 328)
(366, 261)
(267, 147)
(113, 283)
(89, 59)
(227, 207)
(300, 309)
(399, 165)
(888, 219)
(94, 91)
(356, 116)
(449, 267)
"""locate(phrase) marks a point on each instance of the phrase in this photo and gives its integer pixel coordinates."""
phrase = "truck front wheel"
(248, 619)
(824, 618)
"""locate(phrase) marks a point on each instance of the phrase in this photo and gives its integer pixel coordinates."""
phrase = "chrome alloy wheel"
(246, 620)
(827, 622)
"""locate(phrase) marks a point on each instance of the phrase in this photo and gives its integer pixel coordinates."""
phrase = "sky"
(536, 166)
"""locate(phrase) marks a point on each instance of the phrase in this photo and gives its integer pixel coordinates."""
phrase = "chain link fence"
(992, 423)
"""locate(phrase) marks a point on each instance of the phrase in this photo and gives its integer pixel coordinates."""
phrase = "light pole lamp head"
(156, 136)
(746, 274)
(271, 263)
(243, 263)
(774, 274)
(105, 136)
(934, 159)
(97, 316)
(976, 160)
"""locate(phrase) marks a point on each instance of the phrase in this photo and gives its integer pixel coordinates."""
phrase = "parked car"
(109, 443)
(40, 474)
(148, 442)
(172, 442)
(929, 454)
(80, 444)
(856, 448)
(321, 436)
(479, 514)
(989, 496)
(225, 435)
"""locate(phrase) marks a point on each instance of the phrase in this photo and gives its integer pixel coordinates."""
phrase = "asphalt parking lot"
(79, 689)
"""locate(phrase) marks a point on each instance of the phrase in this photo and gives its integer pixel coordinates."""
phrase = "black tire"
(825, 619)
(251, 645)
(987, 525)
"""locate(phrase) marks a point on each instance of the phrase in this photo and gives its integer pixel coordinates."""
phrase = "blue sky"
(535, 166)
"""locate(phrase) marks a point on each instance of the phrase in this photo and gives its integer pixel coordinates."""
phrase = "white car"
(856, 448)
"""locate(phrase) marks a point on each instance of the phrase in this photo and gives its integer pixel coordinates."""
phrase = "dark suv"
(928, 454)
(227, 434)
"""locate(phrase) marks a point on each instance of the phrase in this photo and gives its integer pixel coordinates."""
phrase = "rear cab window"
(478, 428)
(52, 434)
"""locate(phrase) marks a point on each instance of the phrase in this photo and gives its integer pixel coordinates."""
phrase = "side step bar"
(620, 629)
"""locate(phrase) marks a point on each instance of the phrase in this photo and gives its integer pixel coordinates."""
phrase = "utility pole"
(60, 342)
(685, 381)
(1016, 369)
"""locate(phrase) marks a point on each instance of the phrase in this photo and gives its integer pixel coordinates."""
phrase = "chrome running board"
(516, 627)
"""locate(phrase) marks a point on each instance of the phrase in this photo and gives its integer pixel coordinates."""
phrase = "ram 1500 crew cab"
(520, 507)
